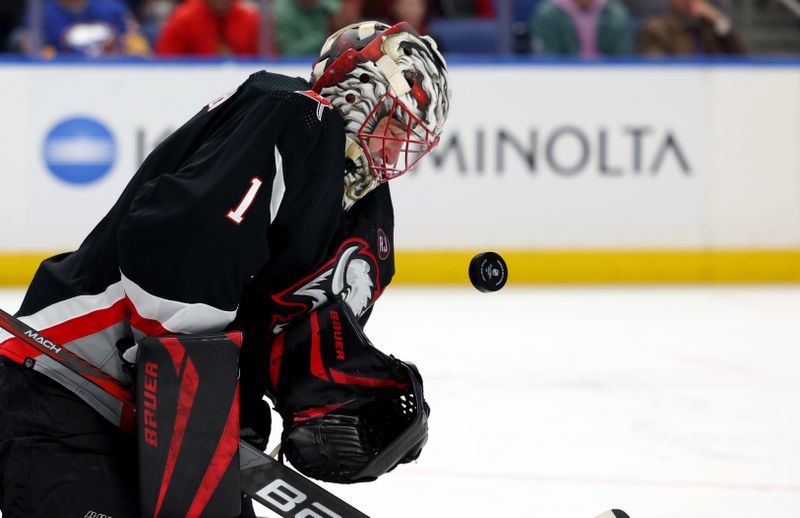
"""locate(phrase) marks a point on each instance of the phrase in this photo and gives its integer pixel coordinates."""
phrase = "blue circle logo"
(80, 150)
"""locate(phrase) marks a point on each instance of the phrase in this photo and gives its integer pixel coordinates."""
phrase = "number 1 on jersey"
(237, 215)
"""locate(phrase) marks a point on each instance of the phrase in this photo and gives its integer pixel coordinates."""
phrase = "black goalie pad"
(187, 400)
(350, 412)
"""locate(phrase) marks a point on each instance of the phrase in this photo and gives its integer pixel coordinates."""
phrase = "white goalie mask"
(391, 88)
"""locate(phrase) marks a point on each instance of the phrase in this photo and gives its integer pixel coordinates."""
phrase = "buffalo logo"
(353, 274)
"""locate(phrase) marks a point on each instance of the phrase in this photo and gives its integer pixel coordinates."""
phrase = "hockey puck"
(488, 272)
(614, 513)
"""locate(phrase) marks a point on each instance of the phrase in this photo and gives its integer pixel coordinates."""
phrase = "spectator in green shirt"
(303, 25)
(585, 28)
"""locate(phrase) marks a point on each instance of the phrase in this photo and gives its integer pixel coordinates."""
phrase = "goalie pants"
(58, 457)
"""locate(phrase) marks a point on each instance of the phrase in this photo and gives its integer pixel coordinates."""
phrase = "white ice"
(565, 402)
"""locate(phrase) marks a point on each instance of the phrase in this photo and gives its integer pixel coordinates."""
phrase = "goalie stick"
(264, 479)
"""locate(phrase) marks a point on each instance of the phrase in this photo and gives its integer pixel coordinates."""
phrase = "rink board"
(628, 172)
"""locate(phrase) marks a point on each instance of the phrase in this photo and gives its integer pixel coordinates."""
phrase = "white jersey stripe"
(175, 316)
(74, 307)
(278, 187)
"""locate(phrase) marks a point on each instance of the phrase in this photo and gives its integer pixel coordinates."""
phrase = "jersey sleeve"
(193, 238)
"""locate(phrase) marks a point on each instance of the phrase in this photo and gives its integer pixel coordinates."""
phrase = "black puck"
(614, 513)
(488, 272)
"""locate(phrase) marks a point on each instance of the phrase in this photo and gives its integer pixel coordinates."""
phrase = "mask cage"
(394, 139)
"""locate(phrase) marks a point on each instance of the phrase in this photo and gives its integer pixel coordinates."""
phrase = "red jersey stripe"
(147, 326)
(87, 324)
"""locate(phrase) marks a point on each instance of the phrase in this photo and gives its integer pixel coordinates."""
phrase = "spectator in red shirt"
(210, 28)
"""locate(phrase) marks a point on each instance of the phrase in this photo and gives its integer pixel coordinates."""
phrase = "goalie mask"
(350, 412)
(391, 88)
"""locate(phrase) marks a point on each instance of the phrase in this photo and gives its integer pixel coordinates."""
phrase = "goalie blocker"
(350, 412)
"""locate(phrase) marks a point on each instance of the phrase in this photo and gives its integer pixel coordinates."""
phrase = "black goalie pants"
(58, 457)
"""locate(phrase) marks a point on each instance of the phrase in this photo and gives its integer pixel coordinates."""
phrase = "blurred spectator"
(135, 6)
(11, 13)
(415, 12)
(382, 9)
(463, 8)
(91, 28)
(690, 27)
(304, 25)
(349, 13)
(645, 8)
(152, 15)
(376, 9)
(586, 28)
(210, 28)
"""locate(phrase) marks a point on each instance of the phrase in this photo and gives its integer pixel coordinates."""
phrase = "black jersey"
(234, 221)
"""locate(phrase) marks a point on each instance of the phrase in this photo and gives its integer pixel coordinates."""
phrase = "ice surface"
(565, 402)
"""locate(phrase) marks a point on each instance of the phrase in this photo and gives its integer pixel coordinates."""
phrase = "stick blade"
(286, 492)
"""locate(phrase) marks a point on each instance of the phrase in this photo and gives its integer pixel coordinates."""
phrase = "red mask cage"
(397, 141)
